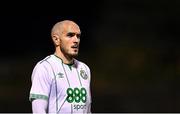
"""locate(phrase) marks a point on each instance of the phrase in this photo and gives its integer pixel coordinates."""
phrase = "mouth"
(75, 46)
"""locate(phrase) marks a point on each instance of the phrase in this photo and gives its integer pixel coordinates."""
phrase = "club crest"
(83, 74)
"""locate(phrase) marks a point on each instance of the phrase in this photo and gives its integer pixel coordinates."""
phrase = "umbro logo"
(60, 75)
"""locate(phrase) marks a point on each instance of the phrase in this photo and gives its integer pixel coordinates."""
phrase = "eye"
(70, 34)
(78, 36)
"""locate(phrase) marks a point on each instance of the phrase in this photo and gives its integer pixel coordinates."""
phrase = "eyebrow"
(73, 33)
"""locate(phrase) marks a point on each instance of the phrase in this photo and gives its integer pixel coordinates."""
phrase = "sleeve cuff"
(37, 96)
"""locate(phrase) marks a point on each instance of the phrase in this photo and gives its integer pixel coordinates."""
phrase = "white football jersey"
(65, 87)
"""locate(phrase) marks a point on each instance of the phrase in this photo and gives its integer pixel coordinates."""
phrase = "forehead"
(71, 27)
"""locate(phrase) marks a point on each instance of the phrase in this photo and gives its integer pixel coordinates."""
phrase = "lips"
(74, 46)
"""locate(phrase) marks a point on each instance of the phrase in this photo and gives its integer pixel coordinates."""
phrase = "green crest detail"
(83, 74)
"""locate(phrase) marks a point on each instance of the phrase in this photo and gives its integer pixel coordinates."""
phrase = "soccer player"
(61, 83)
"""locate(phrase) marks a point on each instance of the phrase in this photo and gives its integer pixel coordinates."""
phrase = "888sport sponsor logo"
(77, 96)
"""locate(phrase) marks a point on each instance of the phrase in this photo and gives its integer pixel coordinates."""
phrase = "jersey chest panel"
(72, 88)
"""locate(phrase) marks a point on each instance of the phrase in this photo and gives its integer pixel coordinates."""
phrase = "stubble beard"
(67, 54)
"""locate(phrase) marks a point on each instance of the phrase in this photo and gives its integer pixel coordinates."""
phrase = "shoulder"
(84, 69)
(44, 63)
(45, 60)
(80, 63)
(42, 68)
(83, 65)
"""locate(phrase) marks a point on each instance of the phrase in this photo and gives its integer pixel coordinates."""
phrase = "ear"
(56, 39)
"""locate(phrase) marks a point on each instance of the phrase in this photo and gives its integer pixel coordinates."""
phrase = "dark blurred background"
(131, 46)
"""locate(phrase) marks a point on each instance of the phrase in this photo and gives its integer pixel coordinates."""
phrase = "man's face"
(69, 40)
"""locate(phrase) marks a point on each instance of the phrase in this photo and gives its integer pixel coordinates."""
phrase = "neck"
(65, 59)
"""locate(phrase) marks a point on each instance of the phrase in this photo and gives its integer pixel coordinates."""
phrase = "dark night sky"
(23, 34)
(131, 46)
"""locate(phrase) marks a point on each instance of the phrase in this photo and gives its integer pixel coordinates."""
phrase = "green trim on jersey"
(66, 75)
(57, 57)
(37, 96)
(70, 65)
(55, 84)
(79, 77)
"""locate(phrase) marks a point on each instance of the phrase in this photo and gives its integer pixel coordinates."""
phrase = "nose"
(76, 38)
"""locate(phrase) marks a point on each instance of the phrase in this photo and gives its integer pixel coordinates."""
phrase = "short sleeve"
(41, 82)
